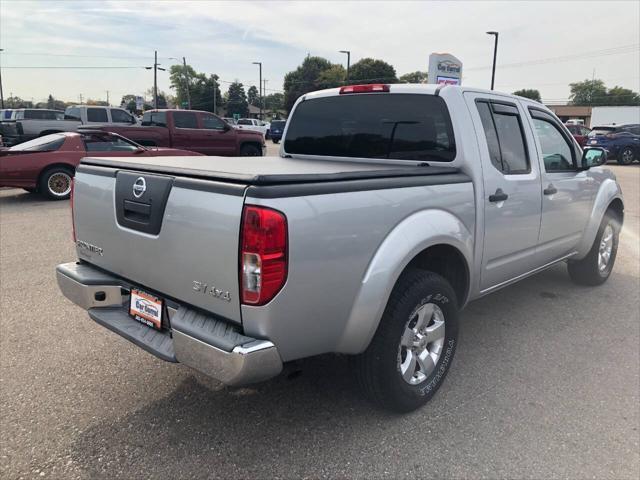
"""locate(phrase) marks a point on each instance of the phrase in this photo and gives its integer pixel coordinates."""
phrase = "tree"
(237, 100)
(588, 92)
(370, 70)
(253, 96)
(303, 79)
(274, 101)
(17, 102)
(414, 77)
(50, 102)
(531, 93)
(201, 88)
(622, 96)
(332, 77)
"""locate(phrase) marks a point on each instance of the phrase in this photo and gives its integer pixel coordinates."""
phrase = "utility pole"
(495, 53)
(80, 99)
(260, 85)
(186, 83)
(155, 78)
(215, 109)
(348, 61)
(1, 94)
(108, 104)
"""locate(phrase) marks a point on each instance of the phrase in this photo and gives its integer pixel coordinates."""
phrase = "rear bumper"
(201, 342)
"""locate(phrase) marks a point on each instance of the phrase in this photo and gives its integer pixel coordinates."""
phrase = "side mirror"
(593, 157)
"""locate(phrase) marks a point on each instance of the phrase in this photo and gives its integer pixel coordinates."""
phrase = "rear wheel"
(626, 156)
(275, 141)
(595, 268)
(250, 150)
(414, 345)
(55, 183)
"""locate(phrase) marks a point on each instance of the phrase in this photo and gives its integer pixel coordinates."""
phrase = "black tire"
(275, 141)
(588, 271)
(379, 368)
(55, 183)
(250, 150)
(626, 156)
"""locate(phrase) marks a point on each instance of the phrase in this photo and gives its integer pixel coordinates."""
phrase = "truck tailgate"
(175, 236)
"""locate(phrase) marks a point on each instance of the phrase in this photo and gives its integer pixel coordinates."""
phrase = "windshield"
(47, 143)
(394, 126)
(244, 122)
(601, 131)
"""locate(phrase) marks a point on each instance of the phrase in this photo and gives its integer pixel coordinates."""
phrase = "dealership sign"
(445, 69)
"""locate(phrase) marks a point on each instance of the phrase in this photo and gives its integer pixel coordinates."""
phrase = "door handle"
(550, 190)
(499, 196)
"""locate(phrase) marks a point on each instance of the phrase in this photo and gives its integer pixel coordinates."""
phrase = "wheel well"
(55, 165)
(255, 144)
(617, 208)
(48, 132)
(448, 262)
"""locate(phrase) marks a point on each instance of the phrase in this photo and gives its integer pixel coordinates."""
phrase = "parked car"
(391, 207)
(29, 123)
(47, 164)
(277, 130)
(194, 130)
(579, 132)
(255, 125)
(622, 142)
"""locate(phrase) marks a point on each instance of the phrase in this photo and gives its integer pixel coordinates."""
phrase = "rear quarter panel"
(332, 242)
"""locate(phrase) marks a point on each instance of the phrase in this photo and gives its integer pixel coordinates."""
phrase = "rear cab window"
(154, 119)
(505, 137)
(394, 126)
(185, 120)
(97, 115)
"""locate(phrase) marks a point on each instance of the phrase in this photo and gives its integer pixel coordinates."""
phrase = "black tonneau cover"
(267, 170)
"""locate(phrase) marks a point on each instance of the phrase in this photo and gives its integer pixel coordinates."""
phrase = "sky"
(543, 44)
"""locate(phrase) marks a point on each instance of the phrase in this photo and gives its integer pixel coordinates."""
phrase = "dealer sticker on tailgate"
(146, 308)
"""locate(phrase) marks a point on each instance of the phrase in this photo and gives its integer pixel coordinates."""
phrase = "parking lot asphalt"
(545, 384)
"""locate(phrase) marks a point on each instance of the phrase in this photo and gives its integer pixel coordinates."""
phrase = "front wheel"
(595, 268)
(626, 155)
(56, 183)
(414, 345)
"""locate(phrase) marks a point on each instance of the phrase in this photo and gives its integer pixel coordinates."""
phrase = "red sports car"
(47, 164)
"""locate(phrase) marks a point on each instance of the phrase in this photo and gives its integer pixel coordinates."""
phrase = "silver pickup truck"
(389, 208)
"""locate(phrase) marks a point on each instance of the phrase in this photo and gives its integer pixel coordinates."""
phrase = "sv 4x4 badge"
(211, 290)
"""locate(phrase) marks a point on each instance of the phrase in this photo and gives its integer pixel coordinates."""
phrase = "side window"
(154, 119)
(120, 116)
(505, 138)
(185, 120)
(97, 115)
(212, 122)
(72, 114)
(557, 153)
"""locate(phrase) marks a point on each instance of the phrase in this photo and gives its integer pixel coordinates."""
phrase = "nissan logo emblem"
(139, 187)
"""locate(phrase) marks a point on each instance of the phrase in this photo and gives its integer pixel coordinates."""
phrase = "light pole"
(155, 78)
(348, 61)
(495, 53)
(260, 85)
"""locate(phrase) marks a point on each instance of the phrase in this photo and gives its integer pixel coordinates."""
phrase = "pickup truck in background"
(194, 130)
(29, 123)
(254, 125)
(390, 208)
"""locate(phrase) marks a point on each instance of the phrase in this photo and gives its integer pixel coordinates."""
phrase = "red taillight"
(73, 219)
(374, 87)
(263, 254)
